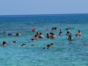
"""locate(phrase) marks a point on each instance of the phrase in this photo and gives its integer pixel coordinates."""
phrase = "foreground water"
(62, 53)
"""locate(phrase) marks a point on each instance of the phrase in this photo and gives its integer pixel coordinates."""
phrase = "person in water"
(32, 45)
(23, 45)
(14, 42)
(52, 44)
(48, 46)
(33, 30)
(47, 35)
(35, 37)
(4, 43)
(52, 35)
(70, 37)
(54, 28)
(37, 33)
(44, 47)
(40, 35)
(60, 32)
(18, 34)
(47, 29)
(79, 33)
(68, 33)
(32, 40)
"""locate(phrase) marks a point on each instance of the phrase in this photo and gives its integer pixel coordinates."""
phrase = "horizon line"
(42, 14)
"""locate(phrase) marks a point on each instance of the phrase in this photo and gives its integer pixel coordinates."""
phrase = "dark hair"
(40, 33)
(23, 44)
(14, 41)
(51, 43)
(47, 35)
(4, 42)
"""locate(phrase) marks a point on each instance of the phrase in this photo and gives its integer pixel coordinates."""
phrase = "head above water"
(4, 43)
(23, 45)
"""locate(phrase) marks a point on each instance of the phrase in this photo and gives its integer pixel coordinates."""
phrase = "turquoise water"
(62, 53)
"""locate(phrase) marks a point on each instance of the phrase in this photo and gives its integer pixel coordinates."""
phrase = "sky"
(27, 7)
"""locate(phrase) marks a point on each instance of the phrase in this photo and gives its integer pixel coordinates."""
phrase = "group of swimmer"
(51, 35)
(70, 35)
(13, 42)
(48, 46)
(11, 34)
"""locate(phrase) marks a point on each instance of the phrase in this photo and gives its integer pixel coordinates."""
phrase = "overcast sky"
(22, 7)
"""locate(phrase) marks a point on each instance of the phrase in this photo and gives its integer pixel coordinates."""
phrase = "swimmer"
(46, 29)
(35, 37)
(37, 33)
(40, 35)
(70, 37)
(52, 35)
(68, 33)
(33, 30)
(44, 48)
(67, 29)
(32, 45)
(4, 43)
(48, 46)
(18, 34)
(79, 33)
(54, 28)
(23, 45)
(52, 44)
(14, 42)
(47, 35)
(60, 32)
(32, 40)
(10, 34)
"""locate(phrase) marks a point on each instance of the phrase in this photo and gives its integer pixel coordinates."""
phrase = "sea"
(62, 53)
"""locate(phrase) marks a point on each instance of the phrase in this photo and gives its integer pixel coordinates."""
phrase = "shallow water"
(62, 53)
